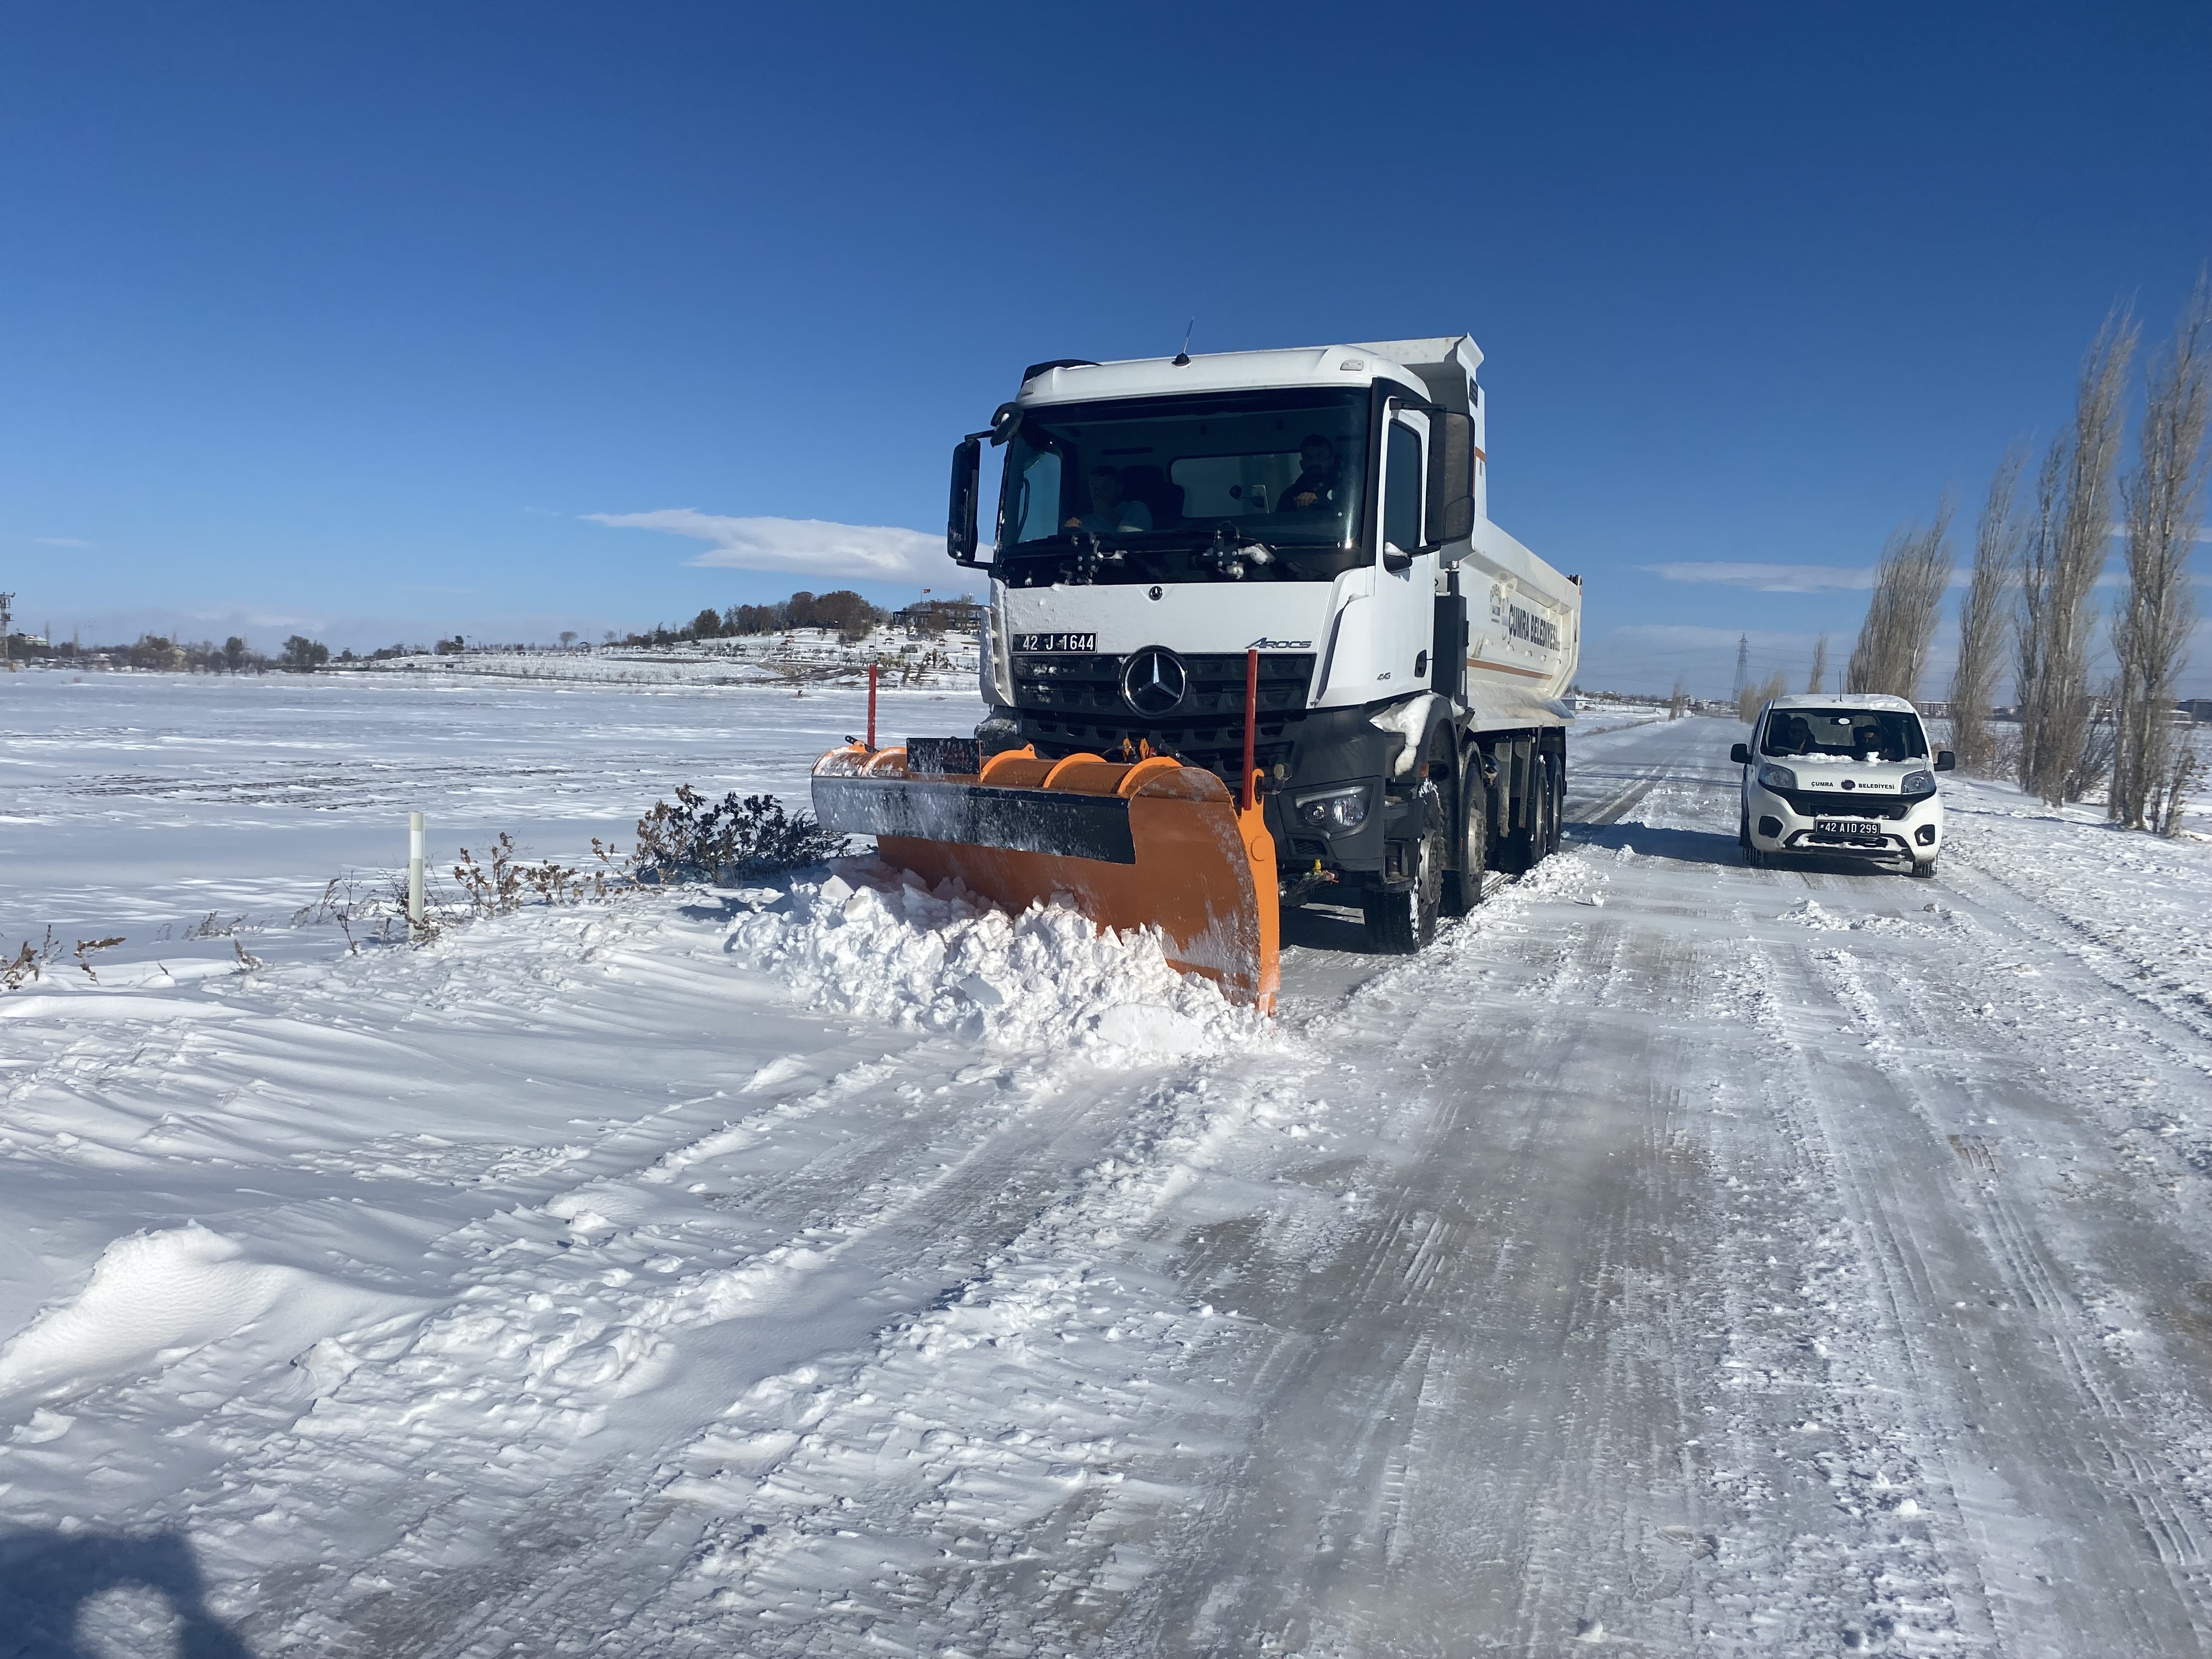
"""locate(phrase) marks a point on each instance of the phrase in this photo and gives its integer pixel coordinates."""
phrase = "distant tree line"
(156, 652)
(843, 612)
(2038, 552)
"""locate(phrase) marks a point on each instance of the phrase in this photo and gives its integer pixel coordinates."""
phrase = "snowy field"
(1678, 1260)
(800, 656)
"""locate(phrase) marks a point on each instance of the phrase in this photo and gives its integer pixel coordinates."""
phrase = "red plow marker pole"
(871, 708)
(1245, 792)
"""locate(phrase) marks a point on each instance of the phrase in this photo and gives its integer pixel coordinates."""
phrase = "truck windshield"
(1232, 486)
(1864, 735)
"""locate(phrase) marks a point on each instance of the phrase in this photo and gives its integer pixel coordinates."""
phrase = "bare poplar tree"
(2164, 499)
(2066, 556)
(1819, 664)
(1983, 614)
(1892, 651)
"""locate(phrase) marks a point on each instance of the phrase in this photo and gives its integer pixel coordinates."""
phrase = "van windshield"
(1226, 486)
(1865, 735)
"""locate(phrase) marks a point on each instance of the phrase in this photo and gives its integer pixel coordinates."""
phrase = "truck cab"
(1325, 507)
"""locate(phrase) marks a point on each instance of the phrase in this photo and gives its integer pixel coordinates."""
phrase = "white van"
(1850, 774)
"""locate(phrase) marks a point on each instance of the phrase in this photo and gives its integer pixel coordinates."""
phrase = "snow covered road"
(1680, 1258)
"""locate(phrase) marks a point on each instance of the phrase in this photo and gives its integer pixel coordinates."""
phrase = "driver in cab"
(1109, 512)
(1315, 487)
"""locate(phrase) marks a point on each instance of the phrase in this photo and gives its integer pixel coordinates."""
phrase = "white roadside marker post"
(415, 837)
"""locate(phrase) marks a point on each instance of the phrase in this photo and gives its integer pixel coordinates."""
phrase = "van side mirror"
(967, 485)
(1451, 478)
(1946, 761)
(1741, 754)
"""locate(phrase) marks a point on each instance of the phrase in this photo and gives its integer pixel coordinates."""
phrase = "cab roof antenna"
(1182, 357)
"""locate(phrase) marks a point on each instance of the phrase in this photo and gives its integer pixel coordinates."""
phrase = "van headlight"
(1332, 811)
(1917, 783)
(1777, 777)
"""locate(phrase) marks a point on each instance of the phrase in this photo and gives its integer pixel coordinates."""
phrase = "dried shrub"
(506, 884)
(87, 948)
(346, 902)
(27, 964)
(728, 840)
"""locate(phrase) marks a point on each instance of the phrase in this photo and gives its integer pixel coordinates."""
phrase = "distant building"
(2195, 708)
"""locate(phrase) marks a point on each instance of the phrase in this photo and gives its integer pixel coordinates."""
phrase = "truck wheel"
(1463, 885)
(1401, 923)
(1559, 801)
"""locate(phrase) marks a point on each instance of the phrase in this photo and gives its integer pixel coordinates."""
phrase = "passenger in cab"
(1109, 512)
(1316, 486)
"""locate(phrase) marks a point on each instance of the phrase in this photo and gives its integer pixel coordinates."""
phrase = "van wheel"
(1463, 885)
(1401, 923)
(1926, 871)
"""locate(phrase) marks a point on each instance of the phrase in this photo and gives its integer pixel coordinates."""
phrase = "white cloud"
(1772, 577)
(869, 552)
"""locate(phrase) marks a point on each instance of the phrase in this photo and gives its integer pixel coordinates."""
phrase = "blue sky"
(363, 319)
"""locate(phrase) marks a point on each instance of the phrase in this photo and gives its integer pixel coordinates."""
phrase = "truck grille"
(1071, 702)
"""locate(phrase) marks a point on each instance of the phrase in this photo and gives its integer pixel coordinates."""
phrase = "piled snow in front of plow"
(872, 940)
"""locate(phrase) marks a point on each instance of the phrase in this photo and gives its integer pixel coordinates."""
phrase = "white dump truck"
(1273, 573)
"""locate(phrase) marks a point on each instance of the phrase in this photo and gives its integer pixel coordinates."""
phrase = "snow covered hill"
(1680, 1257)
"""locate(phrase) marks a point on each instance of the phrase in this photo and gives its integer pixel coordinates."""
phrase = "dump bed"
(1524, 625)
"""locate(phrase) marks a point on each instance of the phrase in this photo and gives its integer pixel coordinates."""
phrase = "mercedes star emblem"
(1154, 681)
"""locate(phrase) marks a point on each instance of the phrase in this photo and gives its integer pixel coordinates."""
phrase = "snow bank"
(156, 1297)
(877, 941)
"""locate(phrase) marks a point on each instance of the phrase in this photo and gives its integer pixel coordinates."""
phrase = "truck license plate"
(1055, 642)
(1857, 828)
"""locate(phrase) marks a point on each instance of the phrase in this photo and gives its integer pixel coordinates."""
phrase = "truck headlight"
(1777, 777)
(1917, 783)
(1332, 811)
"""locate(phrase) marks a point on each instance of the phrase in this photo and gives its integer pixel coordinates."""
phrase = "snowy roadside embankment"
(2135, 905)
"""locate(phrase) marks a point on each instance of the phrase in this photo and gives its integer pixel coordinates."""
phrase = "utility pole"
(1742, 665)
(7, 622)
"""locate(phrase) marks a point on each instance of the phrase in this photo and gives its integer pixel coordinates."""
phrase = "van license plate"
(1857, 828)
(1056, 642)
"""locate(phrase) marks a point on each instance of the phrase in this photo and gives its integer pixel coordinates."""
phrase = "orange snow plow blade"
(1156, 844)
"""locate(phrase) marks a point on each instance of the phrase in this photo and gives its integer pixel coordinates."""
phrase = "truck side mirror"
(1946, 761)
(967, 485)
(1451, 478)
(1741, 754)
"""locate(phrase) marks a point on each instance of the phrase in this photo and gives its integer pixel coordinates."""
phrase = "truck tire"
(1471, 832)
(1548, 837)
(1558, 800)
(1401, 923)
(1553, 801)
